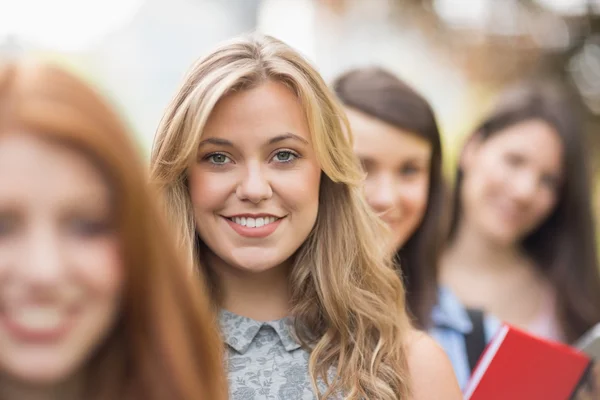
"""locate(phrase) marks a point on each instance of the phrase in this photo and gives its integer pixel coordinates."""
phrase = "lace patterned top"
(264, 360)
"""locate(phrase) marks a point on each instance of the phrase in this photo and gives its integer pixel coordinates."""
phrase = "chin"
(257, 268)
(505, 237)
(499, 231)
(255, 260)
(42, 372)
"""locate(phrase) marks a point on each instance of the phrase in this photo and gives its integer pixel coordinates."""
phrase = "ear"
(468, 152)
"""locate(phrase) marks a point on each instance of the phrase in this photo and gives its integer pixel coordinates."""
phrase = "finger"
(583, 394)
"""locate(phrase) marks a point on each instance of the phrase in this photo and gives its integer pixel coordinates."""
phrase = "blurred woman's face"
(60, 266)
(511, 180)
(397, 164)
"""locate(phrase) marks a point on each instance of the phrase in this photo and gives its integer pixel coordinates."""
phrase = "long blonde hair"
(347, 300)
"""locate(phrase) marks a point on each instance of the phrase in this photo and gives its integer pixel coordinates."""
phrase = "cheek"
(100, 275)
(299, 189)
(371, 183)
(313, 185)
(546, 202)
(99, 267)
(486, 178)
(208, 191)
(413, 203)
(369, 187)
(413, 197)
(9, 255)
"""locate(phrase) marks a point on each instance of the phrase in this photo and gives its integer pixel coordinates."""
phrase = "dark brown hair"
(563, 245)
(165, 344)
(378, 93)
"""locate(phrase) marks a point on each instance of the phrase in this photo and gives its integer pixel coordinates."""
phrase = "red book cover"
(519, 366)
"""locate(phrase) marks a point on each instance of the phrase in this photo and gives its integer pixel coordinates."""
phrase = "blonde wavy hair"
(347, 301)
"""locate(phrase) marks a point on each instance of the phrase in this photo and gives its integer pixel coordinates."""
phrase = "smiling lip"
(40, 334)
(254, 225)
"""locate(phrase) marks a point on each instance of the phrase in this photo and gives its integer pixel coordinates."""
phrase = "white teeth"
(254, 222)
(38, 318)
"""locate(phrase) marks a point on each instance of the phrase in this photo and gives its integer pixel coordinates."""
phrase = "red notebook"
(518, 366)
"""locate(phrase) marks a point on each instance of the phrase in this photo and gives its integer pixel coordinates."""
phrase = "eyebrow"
(418, 159)
(276, 139)
(216, 141)
(286, 136)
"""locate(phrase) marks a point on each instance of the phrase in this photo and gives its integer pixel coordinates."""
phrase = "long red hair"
(165, 344)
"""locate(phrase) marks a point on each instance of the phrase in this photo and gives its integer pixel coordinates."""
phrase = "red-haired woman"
(94, 302)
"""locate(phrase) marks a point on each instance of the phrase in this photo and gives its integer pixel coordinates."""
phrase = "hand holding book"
(591, 389)
(590, 345)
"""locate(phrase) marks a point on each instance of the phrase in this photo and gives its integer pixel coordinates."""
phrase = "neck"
(11, 389)
(470, 249)
(262, 296)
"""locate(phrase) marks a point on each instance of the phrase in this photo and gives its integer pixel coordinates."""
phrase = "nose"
(380, 191)
(43, 261)
(254, 185)
(525, 187)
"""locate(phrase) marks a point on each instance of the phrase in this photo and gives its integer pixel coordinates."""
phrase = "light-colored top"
(546, 324)
(451, 323)
(265, 361)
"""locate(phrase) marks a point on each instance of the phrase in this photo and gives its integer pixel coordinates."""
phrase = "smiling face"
(511, 180)
(60, 266)
(255, 182)
(397, 164)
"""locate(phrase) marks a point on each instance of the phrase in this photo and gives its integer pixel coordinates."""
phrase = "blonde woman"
(262, 186)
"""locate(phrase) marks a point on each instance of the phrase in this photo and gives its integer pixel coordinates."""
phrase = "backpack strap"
(475, 340)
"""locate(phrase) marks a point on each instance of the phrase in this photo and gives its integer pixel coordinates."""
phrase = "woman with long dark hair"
(522, 239)
(398, 143)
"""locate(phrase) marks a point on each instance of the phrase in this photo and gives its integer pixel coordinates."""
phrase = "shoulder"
(450, 315)
(432, 376)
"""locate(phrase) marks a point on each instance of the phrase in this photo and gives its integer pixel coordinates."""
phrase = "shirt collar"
(239, 332)
(450, 313)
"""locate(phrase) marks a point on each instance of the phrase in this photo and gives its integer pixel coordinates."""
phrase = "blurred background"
(458, 53)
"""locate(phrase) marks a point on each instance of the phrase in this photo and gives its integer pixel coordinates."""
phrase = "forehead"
(534, 136)
(379, 139)
(32, 167)
(269, 109)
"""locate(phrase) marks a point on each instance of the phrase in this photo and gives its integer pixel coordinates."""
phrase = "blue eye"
(218, 159)
(285, 156)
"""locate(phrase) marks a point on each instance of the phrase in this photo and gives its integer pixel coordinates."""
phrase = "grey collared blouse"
(265, 361)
